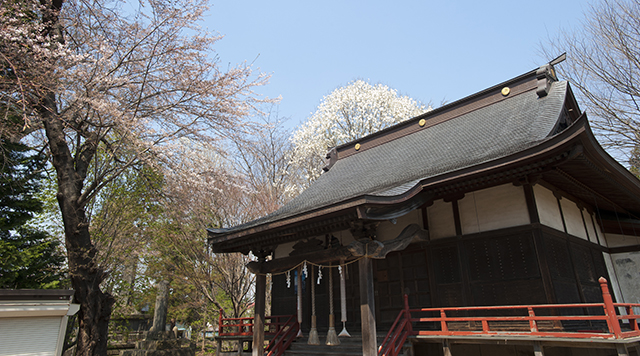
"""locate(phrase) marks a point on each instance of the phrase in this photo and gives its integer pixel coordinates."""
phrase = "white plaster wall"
(573, 218)
(616, 240)
(548, 209)
(387, 230)
(440, 218)
(588, 219)
(603, 239)
(601, 235)
(627, 272)
(493, 208)
(617, 292)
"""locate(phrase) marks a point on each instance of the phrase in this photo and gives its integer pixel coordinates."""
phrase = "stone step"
(352, 344)
(349, 346)
(339, 350)
(303, 345)
(323, 352)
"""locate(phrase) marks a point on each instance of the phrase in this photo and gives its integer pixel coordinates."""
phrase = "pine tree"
(29, 257)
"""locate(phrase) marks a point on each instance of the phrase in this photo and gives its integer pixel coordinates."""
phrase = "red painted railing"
(400, 330)
(538, 320)
(244, 326)
(280, 329)
(284, 337)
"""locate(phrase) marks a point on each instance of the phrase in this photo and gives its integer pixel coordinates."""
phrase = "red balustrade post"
(485, 326)
(633, 323)
(532, 323)
(610, 310)
(407, 313)
(220, 322)
(443, 321)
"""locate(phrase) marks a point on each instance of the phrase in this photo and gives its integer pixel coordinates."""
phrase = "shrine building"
(502, 198)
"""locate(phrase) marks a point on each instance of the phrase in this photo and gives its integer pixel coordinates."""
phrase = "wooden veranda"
(601, 325)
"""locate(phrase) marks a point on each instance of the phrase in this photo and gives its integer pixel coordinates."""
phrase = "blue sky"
(430, 51)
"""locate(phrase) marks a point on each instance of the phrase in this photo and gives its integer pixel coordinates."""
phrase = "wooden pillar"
(367, 308)
(258, 320)
(446, 349)
(538, 349)
(217, 338)
(532, 207)
(622, 350)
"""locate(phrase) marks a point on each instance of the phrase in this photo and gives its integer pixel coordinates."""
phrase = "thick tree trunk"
(86, 276)
(95, 311)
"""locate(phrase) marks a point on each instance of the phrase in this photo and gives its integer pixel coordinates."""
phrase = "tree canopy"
(109, 87)
(30, 257)
(603, 63)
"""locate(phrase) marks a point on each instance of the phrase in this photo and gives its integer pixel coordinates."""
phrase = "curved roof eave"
(519, 157)
(608, 183)
(556, 149)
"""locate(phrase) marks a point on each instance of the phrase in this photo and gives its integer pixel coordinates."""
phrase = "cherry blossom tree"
(348, 113)
(263, 160)
(110, 86)
(220, 197)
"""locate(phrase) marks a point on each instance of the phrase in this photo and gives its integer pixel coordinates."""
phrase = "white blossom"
(348, 113)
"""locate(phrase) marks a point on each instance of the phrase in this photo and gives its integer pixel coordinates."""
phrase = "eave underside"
(574, 167)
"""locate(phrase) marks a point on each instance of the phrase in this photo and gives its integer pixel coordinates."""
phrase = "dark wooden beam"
(380, 249)
(258, 319)
(463, 263)
(368, 247)
(532, 207)
(456, 217)
(286, 263)
(545, 273)
(624, 249)
(564, 223)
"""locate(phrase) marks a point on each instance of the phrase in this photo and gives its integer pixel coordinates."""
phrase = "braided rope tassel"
(332, 337)
(313, 333)
(299, 297)
(343, 302)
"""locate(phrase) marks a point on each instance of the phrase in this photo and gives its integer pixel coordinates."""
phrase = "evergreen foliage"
(29, 257)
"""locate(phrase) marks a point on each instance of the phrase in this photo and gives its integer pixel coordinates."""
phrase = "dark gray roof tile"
(393, 168)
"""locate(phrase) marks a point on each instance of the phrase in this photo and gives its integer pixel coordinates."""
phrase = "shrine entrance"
(284, 298)
(402, 272)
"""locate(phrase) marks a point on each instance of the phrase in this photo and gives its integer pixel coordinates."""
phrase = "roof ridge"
(512, 87)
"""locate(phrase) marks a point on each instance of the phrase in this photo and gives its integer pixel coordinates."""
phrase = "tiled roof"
(503, 127)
